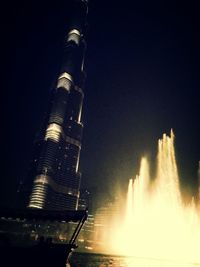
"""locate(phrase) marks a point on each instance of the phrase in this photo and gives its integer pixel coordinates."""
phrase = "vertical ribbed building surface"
(55, 172)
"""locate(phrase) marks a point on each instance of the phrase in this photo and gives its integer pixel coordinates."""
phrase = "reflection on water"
(97, 260)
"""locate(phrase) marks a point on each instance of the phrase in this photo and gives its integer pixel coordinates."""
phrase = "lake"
(99, 260)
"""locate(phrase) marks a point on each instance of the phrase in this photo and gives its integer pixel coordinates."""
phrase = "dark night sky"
(142, 67)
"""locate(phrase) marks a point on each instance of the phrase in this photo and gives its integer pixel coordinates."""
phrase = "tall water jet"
(157, 224)
(167, 173)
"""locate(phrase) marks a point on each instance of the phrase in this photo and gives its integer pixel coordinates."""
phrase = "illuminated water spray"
(157, 224)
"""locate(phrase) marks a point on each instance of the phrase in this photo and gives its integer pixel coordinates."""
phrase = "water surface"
(99, 260)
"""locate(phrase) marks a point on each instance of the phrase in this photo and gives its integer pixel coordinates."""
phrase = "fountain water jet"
(157, 224)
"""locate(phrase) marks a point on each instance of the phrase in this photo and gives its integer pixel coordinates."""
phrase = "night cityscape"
(100, 108)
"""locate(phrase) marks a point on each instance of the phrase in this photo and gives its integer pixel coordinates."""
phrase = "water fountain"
(157, 224)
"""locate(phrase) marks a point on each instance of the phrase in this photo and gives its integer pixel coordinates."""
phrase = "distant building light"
(74, 35)
(65, 81)
(34, 206)
(89, 248)
(53, 132)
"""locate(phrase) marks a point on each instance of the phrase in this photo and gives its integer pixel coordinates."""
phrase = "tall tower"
(55, 172)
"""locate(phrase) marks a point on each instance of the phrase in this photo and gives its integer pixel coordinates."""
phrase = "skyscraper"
(54, 178)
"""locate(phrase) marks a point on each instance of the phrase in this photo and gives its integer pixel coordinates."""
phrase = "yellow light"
(74, 35)
(34, 206)
(89, 248)
(65, 80)
(53, 132)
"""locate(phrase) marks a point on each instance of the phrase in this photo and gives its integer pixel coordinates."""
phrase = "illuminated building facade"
(54, 177)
